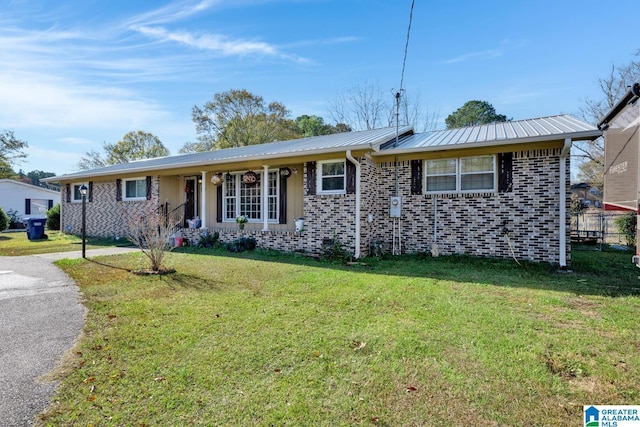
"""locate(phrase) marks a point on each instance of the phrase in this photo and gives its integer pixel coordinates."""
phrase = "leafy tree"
(36, 175)
(627, 225)
(613, 88)
(133, 146)
(315, 126)
(238, 118)
(11, 152)
(474, 113)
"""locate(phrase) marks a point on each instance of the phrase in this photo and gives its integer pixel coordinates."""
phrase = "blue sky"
(79, 73)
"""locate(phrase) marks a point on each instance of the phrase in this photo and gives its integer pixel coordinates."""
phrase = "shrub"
(334, 250)
(627, 225)
(4, 220)
(242, 244)
(53, 217)
(209, 240)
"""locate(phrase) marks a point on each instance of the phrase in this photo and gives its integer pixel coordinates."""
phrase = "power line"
(406, 47)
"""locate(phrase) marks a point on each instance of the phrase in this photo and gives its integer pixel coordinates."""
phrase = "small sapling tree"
(152, 233)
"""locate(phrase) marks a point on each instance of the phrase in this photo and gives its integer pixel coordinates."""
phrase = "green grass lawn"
(266, 339)
(16, 243)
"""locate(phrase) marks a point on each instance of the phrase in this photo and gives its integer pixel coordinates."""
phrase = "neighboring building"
(451, 192)
(26, 199)
(590, 197)
(621, 128)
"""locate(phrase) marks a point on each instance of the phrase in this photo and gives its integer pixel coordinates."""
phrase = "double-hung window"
(461, 175)
(75, 191)
(242, 199)
(135, 189)
(332, 177)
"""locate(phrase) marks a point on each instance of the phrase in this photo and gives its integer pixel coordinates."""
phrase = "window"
(465, 174)
(135, 189)
(77, 196)
(39, 207)
(441, 175)
(243, 199)
(332, 177)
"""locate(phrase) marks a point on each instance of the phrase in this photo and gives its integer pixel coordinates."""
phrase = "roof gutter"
(630, 98)
(358, 202)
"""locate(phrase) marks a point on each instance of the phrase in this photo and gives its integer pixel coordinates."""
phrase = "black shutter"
(416, 176)
(91, 191)
(50, 204)
(68, 191)
(219, 203)
(351, 177)
(282, 202)
(148, 188)
(505, 172)
(118, 190)
(27, 206)
(311, 178)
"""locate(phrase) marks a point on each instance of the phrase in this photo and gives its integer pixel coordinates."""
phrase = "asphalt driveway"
(41, 316)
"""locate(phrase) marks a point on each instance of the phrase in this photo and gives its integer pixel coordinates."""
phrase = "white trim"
(357, 213)
(73, 191)
(319, 177)
(237, 186)
(203, 200)
(563, 202)
(458, 175)
(124, 189)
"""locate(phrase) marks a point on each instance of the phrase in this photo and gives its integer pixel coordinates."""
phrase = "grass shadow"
(606, 273)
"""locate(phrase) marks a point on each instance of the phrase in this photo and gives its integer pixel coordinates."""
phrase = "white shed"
(27, 200)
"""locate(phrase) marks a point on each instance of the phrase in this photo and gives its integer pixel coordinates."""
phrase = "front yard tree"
(133, 146)
(11, 152)
(474, 113)
(238, 118)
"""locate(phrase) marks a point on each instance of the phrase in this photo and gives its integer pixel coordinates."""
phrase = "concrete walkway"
(40, 318)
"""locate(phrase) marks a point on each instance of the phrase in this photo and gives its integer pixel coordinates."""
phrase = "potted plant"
(242, 220)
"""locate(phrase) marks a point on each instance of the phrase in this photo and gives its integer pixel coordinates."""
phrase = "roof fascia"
(576, 136)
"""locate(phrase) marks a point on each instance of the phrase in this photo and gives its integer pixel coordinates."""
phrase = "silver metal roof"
(378, 140)
(340, 142)
(513, 132)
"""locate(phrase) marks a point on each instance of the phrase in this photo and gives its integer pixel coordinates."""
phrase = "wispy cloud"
(473, 56)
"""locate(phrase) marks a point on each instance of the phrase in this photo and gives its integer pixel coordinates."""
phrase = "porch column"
(265, 198)
(203, 200)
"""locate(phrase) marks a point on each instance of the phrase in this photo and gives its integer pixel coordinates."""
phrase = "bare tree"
(152, 233)
(367, 106)
(590, 154)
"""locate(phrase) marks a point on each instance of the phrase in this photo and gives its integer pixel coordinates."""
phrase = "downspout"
(566, 149)
(265, 198)
(203, 201)
(357, 165)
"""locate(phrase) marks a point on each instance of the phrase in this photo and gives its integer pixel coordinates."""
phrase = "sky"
(76, 74)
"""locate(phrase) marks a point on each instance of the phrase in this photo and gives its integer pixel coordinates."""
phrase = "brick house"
(496, 190)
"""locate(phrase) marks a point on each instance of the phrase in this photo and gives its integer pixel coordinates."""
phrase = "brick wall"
(473, 223)
(462, 223)
(106, 217)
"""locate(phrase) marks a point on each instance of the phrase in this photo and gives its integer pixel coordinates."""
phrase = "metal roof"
(367, 139)
(377, 140)
(512, 132)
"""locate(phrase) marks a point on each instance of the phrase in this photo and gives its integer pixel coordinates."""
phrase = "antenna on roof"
(399, 92)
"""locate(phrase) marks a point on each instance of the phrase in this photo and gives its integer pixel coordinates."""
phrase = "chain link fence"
(596, 228)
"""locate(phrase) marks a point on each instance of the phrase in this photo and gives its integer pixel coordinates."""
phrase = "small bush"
(15, 222)
(53, 217)
(627, 225)
(242, 244)
(209, 240)
(333, 250)
(4, 220)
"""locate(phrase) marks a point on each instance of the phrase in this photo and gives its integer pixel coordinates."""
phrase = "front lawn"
(16, 243)
(267, 339)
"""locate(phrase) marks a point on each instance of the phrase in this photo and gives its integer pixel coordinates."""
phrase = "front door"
(190, 199)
